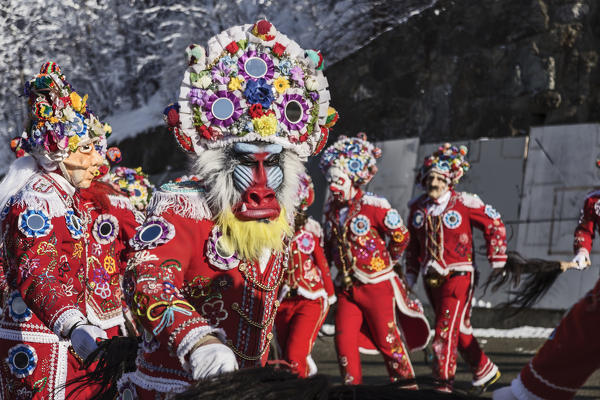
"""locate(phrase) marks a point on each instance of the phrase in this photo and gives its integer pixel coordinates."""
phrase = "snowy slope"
(129, 55)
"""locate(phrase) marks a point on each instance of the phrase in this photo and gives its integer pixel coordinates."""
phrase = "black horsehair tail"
(115, 357)
(541, 275)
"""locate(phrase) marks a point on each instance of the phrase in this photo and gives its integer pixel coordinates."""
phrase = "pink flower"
(297, 75)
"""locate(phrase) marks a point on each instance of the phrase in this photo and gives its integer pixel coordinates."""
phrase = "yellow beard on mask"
(249, 238)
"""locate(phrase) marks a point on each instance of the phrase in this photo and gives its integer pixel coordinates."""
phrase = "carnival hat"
(59, 119)
(134, 184)
(448, 161)
(355, 156)
(253, 83)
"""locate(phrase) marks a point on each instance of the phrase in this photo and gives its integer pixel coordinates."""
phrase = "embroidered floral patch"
(392, 219)
(491, 212)
(154, 232)
(305, 242)
(105, 229)
(418, 219)
(21, 360)
(360, 225)
(18, 310)
(74, 224)
(217, 254)
(34, 223)
(452, 219)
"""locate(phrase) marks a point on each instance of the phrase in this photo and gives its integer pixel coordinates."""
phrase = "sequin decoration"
(218, 255)
(305, 242)
(74, 224)
(105, 229)
(17, 308)
(491, 212)
(34, 223)
(21, 360)
(452, 219)
(154, 232)
(360, 225)
(418, 219)
(392, 219)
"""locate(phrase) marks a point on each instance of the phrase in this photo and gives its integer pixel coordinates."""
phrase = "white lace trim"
(65, 321)
(375, 201)
(188, 204)
(163, 385)
(118, 320)
(49, 202)
(377, 277)
(26, 336)
(313, 227)
(61, 374)
(190, 339)
(470, 200)
(307, 294)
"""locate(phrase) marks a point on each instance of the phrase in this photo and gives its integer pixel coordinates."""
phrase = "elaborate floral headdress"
(134, 184)
(306, 192)
(355, 156)
(255, 84)
(60, 119)
(447, 160)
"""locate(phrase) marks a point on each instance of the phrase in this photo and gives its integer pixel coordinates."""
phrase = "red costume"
(212, 253)
(441, 249)
(306, 293)
(365, 238)
(62, 248)
(574, 342)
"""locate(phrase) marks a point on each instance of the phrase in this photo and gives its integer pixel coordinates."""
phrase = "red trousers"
(452, 305)
(570, 355)
(373, 305)
(297, 324)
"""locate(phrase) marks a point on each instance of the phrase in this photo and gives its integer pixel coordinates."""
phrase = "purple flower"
(198, 97)
(259, 91)
(220, 73)
(314, 96)
(297, 75)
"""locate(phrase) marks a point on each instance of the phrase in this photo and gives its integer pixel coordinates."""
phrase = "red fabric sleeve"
(396, 235)
(35, 268)
(585, 231)
(321, 262)
(413, 250)
(488, 220)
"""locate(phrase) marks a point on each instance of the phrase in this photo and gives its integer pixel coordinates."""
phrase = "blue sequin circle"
(360, 225)
(418, 219)
(21, 360)
(452, 219)
(74, 224)
(17, 308)
(392, 219)
(491, 212)
(34, 223)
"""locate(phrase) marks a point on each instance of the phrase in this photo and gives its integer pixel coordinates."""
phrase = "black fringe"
(541, 276)
(116, 356)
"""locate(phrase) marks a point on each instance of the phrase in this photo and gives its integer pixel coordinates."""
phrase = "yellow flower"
(77, 102)
(281, 84)
(235, 83)
(265, 125)
(53, 120)
(107, 129)
(73, 142)
(377, 264)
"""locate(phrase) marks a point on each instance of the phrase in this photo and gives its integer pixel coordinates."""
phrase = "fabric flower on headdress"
(134, 184)
(355, 156)
(254, 82)
(60, 120)
(306, 192)
(448, 161)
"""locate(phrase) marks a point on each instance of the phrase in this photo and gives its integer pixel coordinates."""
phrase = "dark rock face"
(466, 69)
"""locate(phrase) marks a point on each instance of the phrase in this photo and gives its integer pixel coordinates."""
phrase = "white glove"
(582, 259)
(83, 339)
(331, 300)
(212, 359)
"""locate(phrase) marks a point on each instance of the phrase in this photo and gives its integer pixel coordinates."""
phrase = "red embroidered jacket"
(184, 287)
(588, 223)
(49, 237)
(445, 242)
(308, 271)
(366, 236)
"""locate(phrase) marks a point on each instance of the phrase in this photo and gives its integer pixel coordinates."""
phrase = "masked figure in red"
(212, 253)
(364, 238)
(307, 290)
(441, 248)
(64, 238)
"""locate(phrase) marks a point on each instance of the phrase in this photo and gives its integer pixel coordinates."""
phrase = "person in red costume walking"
(365, 238)
(574, 342)
(211, 255)
(307, 290)
(441, 249)
(63, 244)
